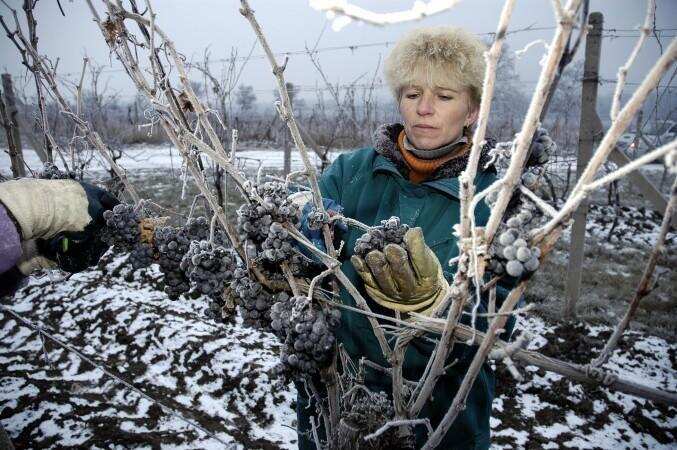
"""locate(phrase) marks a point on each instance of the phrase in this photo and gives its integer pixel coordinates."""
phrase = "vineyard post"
(586, 141)
(287, 153)
(11, 124)
(15, 155)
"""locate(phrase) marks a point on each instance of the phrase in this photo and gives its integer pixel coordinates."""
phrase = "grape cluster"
(142, 255)
(122, 227)
(254, 219)
(364, 414)
(309, 344)
(274, 199)
(51, 172)
(172, 244)
(281, 313)
(511, 252)
(532, 177)
(253, 300)
(253, 222)
(301, 265)
(196, 228)
(391, 231)
(542, 146)
(277, 246)
(208, 268)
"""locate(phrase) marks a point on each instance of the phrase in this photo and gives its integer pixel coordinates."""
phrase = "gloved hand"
(308, 226)
(404, 279)
(59, 221)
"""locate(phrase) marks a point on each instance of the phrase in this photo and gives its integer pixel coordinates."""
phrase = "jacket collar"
(449, 186)
(385, 144)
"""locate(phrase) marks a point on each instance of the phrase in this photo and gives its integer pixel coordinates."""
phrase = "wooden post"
(11, 124)
(638, 133)
(287, 153)
(586, 140)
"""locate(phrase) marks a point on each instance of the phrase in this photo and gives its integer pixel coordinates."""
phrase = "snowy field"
(219, 377)
(154, 157)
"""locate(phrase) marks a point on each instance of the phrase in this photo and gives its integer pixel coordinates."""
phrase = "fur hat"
(437, 56)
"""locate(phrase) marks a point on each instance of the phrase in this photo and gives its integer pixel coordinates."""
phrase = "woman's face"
(433, 117)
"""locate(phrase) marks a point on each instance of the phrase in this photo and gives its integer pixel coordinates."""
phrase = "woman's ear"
(472, 116)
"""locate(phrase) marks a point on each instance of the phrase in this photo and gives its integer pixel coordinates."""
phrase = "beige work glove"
(404, 278)
(44, 208)
(59, 222)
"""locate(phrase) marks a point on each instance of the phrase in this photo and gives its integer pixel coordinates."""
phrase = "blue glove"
(311, 224)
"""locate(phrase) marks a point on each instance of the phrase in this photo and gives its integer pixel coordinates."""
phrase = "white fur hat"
(437, 56)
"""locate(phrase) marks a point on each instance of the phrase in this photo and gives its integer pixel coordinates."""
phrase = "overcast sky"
(291, 24)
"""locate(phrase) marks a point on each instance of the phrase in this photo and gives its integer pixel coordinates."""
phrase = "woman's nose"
(425, 106)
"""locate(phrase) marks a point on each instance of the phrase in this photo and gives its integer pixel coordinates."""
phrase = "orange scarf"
(421, 169)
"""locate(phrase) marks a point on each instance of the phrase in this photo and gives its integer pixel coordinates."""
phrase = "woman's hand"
(403, 278)
(59, 222)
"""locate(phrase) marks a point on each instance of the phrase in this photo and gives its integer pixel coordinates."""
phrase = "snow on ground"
(625, 228)
(219, 376)
(547, 410)
(166, 157)
(216, 375)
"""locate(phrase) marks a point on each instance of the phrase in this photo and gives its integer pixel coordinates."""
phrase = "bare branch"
(350, 12)
(623, 70)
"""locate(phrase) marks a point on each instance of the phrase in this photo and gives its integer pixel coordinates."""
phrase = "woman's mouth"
(425, 129)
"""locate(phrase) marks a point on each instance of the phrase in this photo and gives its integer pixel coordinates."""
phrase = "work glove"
(405, 277)
(59, 222)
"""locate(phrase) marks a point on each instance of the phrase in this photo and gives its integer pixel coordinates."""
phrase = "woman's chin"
(426, 143)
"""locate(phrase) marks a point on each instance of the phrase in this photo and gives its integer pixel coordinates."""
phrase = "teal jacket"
(370, 188)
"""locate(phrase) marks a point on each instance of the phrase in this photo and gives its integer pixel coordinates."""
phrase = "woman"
(435, 75)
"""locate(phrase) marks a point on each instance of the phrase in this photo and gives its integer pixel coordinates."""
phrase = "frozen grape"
(172, 244)
(142, 255)
(365, 412)
(523, 254)
(507, 238)
(253, 300)
(509, 252)
(520, 243)
(532, 265)
(514, 268)
(309, 344)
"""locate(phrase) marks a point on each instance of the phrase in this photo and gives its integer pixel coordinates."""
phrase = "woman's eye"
(445, 97)
(412, 95)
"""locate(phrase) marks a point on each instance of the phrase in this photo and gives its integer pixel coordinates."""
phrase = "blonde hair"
(448, 57)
